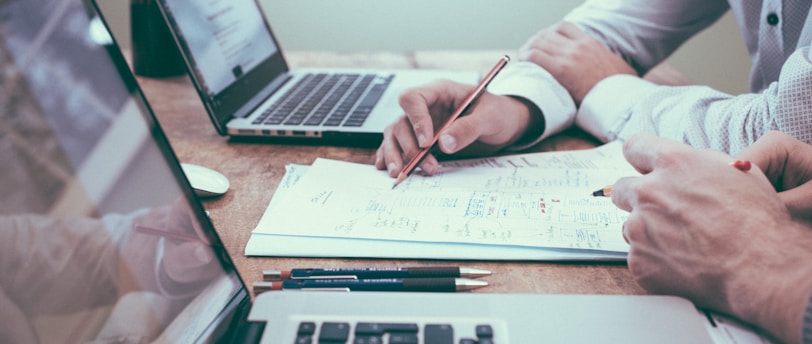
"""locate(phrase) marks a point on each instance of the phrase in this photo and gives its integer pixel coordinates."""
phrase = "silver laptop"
(103, 240)
(248, 89)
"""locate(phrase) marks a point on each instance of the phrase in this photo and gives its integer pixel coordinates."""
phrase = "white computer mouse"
(205, 181)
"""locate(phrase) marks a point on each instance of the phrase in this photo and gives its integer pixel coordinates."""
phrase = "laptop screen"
(101, 237)
(229, 50)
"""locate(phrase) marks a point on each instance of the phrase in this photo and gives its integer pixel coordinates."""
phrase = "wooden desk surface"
(256, 169)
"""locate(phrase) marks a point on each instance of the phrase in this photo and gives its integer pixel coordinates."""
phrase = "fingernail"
(449, 143)
(391, 167)
(431, 169)
(421, 140)
(202, 254)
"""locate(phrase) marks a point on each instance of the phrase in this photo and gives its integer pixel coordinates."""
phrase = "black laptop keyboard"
(327, 99)
(395, 333)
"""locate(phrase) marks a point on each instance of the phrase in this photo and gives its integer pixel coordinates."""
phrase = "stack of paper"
(536, 206)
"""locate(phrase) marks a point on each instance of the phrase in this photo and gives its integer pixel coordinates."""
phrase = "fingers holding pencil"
(461, 110)
(741, 165)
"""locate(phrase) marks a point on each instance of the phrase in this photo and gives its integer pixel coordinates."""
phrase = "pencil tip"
(598, 193)
(464, 284)
(466, 272)
(604, 192)
(401, 177)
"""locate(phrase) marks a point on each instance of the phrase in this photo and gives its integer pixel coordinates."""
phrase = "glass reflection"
(98, 243)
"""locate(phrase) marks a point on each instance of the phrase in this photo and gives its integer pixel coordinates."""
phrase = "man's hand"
(721, 237)
(493, 123)
(186, 261)
(787, 162)
(574, 58)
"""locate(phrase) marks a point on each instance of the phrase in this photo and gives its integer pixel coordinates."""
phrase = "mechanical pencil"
(374, 272)
(443, 284)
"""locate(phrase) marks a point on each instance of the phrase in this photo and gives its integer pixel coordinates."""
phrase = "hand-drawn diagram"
(541, 200)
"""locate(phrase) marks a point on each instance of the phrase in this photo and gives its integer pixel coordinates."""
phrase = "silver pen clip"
(342, 277)
(345, 289)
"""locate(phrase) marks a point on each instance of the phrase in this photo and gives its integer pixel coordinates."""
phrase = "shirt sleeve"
(620, 106)
(77, 254)
(529, 81)
(806, 331)
(645, 32)
(641, 31)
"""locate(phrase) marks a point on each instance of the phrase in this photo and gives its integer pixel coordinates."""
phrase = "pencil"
(165, 233)
(466, 105)
(741, 165)
(606, 191)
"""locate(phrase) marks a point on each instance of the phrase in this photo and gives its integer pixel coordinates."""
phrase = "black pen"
(374, 272)
(444, 284)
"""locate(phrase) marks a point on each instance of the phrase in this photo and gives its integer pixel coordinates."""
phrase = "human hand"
(167, 251)
(787, 162)
(701, 229)
(577, 60)
(492, 124)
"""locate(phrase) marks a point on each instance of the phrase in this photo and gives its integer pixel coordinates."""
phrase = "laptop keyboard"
(327, 99)
(394, 333)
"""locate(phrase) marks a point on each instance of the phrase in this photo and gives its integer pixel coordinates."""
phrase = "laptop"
(248, 89)
(103, 240)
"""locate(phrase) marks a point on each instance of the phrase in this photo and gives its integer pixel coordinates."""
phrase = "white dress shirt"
(645, 32)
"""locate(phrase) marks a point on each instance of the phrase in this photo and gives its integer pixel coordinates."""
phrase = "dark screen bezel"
(231, 102)
(241, 296)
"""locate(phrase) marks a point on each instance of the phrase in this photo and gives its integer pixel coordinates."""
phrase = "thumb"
(188, 262)
(798, 202)
(463, 132)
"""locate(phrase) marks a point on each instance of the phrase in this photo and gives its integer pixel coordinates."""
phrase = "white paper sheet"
(531, 206)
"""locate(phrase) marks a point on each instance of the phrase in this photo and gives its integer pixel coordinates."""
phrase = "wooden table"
(256, 169)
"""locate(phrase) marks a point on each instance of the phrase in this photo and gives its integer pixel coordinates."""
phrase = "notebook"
(103, 239)
(248, 89)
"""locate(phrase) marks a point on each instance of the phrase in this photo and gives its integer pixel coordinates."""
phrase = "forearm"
(70, 263)
(785, 290)
(645, 32)
(539, 90)
(698, 115)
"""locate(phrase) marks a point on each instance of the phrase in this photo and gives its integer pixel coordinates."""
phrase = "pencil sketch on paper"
(540, 200)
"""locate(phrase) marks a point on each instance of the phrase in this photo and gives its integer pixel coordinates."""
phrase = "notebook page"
(537, 200)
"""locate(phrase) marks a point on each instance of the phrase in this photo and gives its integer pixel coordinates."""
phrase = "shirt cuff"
(529, 81)
(806, 332)
(607, 108)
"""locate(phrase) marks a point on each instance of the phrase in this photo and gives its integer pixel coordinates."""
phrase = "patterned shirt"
(645, 32)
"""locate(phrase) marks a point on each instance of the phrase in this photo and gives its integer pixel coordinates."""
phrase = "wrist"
(530, 120)
(775, 294)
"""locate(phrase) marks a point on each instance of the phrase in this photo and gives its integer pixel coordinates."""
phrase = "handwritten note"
(538, 200)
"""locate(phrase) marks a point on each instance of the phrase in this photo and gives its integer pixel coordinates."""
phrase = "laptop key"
(438, 334)
(306, 328)
(484, 331)
(368, 340)
(304, 334)
(403, 338)
(364, 328)
(332, 332)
